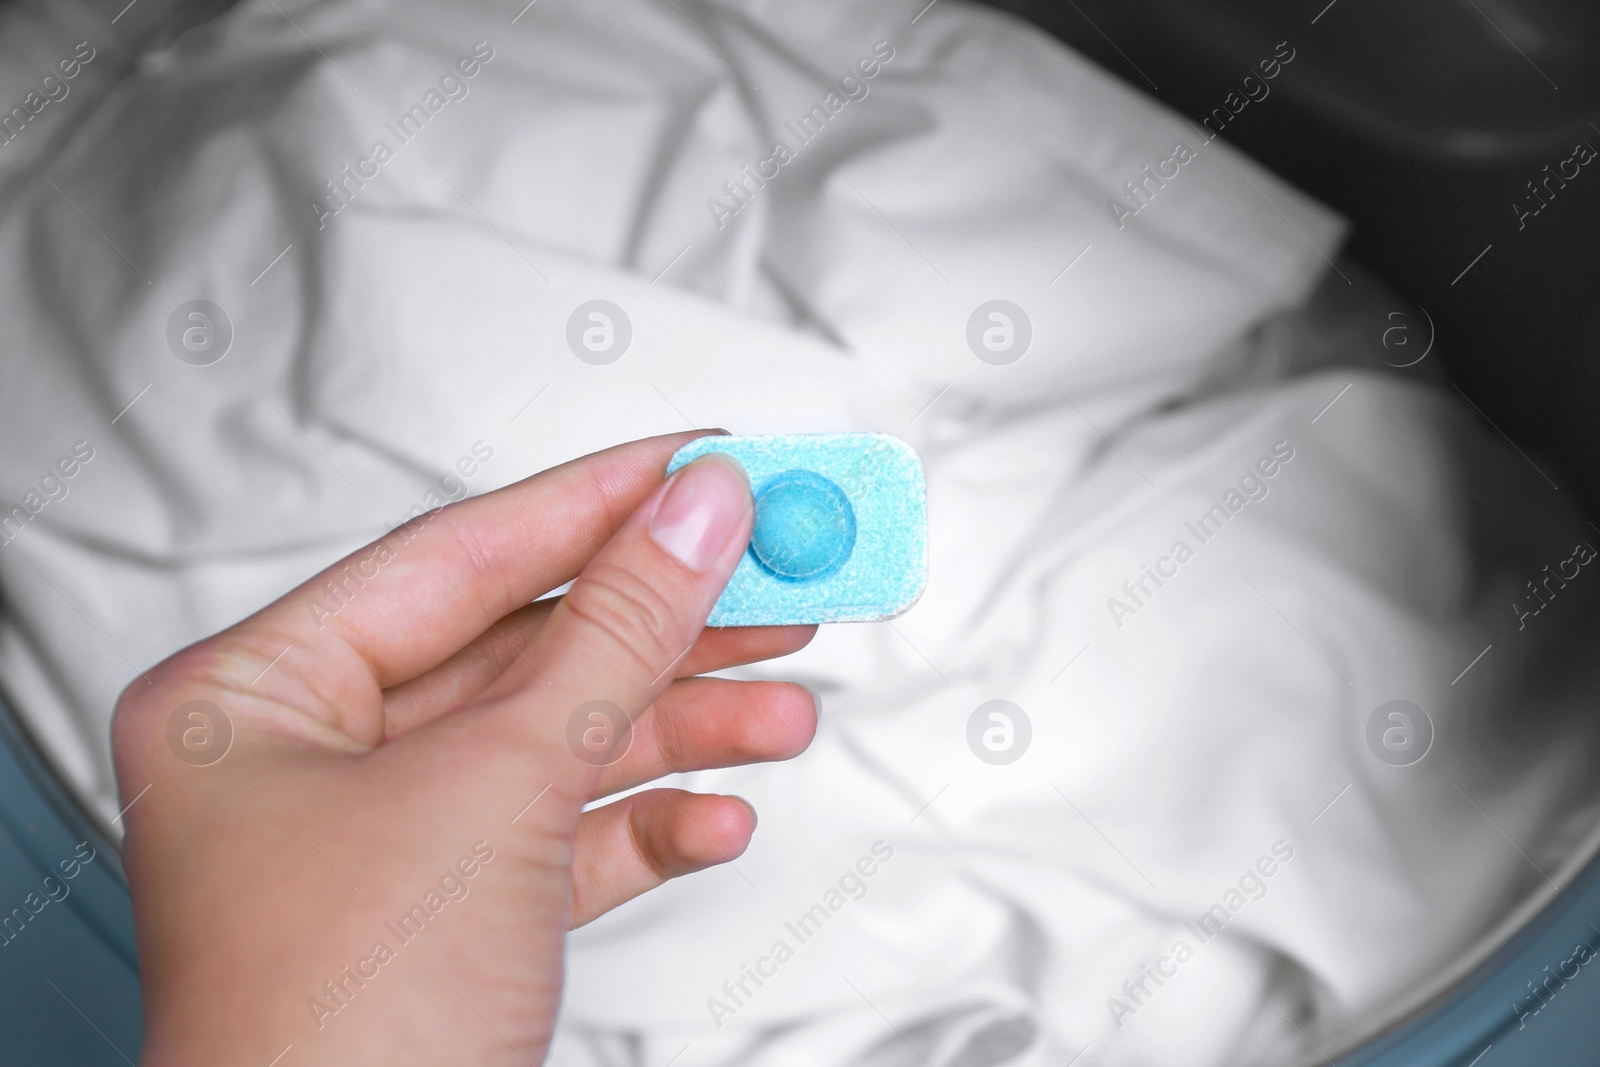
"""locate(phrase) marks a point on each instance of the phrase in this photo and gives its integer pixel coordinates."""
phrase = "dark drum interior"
(1424, 123)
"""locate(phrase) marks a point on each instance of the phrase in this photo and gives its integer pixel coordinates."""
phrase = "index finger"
(639, 605)
(408, 601)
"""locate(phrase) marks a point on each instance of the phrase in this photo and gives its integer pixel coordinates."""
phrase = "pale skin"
(415, 723)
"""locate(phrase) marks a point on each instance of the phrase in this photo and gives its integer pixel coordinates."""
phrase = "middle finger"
(700, 723)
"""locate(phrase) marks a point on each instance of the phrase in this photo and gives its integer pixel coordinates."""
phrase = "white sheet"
(426, 322)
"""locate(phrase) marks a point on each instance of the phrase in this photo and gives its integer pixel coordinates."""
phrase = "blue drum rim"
(47, 820)
(1452, 1029)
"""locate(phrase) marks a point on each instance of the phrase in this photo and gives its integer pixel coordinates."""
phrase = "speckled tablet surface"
(841, 528)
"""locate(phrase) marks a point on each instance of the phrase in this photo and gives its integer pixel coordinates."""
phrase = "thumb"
(639, 605)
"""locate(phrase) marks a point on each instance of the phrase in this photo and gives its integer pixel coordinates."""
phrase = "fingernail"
(704, 504)
(816, 697)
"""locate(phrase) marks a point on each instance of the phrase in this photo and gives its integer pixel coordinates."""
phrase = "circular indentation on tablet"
(804, 529)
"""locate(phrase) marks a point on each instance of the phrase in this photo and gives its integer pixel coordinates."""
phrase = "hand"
(383, 864)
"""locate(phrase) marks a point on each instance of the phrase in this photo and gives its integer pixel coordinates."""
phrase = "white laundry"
(398, 246)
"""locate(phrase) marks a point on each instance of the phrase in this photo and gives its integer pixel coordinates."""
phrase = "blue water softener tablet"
(841, 528)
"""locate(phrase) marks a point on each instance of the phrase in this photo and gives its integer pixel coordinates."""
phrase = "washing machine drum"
(1125, 479)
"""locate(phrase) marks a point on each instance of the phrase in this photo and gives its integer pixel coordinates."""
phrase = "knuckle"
(140, 715)
(475, 549)
(128, 720)
(674, 747)
(612, 504)
(642, 837)
(630, 610)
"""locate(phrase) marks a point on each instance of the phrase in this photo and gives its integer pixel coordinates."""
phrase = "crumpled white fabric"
(1172, 748)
